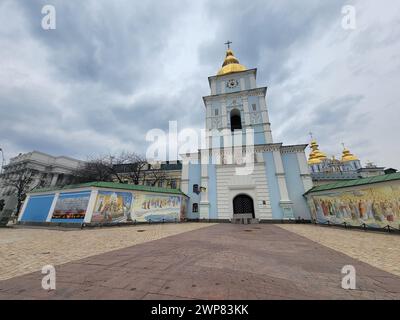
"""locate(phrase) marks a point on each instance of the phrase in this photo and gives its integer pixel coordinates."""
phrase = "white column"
(222, 86)
(223, 114)
(242, 84)
(36, 182)
(204, 203)
(52, 207)
(280, 173)
(209, 137)
(54, 179)
(213, 86)
(285, 203)
(265, 119)
(209, 115)
(245, 101)
(185, 176)
(304, 171)
(263, 107)
(90, 207)
(252, 81)
(24, 207)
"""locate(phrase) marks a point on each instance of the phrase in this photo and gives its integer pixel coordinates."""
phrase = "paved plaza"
(378, 249)
(198, 261)
(24, 250)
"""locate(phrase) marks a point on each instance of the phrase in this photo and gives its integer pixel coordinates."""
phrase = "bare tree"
(126, 164)
(21, 182)
(95, 169)
(114, 168)
(157, 175)
(135, 167)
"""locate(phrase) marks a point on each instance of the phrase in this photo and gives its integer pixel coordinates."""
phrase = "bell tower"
(257, 180)
(236, 103)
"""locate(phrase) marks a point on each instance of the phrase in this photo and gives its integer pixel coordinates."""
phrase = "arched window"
(236, 120)
(195, 188)
(195, 207)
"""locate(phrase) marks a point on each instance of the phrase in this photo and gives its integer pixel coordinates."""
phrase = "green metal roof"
(356, 182)
(111, 185)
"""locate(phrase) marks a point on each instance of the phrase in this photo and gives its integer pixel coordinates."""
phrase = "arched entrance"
(236, 120)
(243, 206)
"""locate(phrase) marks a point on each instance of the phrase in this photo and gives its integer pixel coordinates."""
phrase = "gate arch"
(243, 204)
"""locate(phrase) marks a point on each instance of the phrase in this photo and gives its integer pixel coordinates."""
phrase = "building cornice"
(294, 148)
(259, 148)
(229, 75)
(28, 156)
(261, 91)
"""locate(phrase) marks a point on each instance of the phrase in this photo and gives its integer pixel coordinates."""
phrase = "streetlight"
(2, 160)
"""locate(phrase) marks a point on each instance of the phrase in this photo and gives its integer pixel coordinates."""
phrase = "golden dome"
(231, 64)
(316, 156)
(348, 156)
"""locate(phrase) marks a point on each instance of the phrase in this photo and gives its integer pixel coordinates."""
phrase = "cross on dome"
(228, 43)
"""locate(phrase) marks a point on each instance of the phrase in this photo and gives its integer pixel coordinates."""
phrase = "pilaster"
(223, 113)
(91, 205)
(285, 203)
(245, 102)
(242, 84)
(52, 207)
(24, 207)
(304, 171)
(204, 203)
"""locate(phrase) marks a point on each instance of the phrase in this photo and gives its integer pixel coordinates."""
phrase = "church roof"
(231, 64)
(355, 182)
(111, 185)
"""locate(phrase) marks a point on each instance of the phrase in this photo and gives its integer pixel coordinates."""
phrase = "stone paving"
(24, 250)
(380, 250)
(222, 261)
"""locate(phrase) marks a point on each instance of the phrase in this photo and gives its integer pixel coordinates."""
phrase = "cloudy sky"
(112, 70)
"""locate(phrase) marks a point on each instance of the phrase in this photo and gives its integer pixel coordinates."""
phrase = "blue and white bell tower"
(273, 189)
(236, 103)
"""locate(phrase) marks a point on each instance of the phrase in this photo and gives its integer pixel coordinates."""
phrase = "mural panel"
(374, 206)
(157, 208)
(38, 208)
(112, 207)
(71, 207)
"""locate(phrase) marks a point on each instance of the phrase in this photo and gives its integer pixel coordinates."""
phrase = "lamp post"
(2, 160)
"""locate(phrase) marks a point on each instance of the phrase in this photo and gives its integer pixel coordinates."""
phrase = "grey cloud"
(266, 33)
(108, 61)
(109, 43)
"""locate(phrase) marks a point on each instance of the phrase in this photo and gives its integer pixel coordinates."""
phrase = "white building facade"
(46, 170)
(241, 170)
